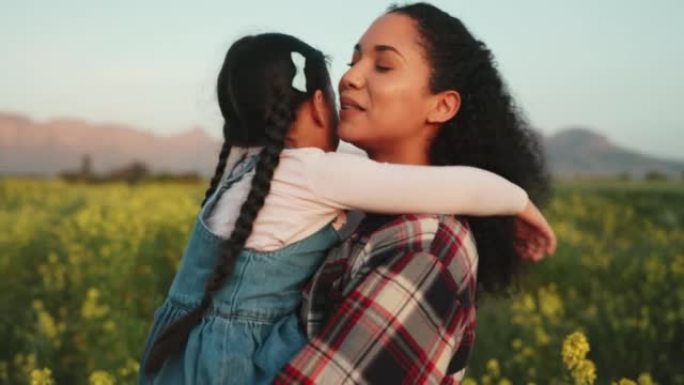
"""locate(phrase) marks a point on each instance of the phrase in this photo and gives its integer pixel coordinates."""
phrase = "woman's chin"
(346, 132)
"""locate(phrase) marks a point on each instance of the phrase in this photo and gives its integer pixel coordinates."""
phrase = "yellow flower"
(645, 379)
(486, 380)
(132, 367)
(528, 303)
(50, 328)
(625, 381)
(584, 373)
(677, 265)
(469, 381)
(109, 326)
(575, 349)
(493, 368)
(100, 377)
(550, 302)
(37, 305)
(541, 336)
(91, 308)
(25, 363)
(4, 372)
(527, 352)
(42, 377)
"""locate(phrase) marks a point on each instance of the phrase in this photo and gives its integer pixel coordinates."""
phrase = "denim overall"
(251, 329)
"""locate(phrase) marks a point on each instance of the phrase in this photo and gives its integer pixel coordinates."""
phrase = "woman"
(395, 303)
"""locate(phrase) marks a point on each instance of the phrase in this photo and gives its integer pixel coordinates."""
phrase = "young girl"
(265, 226)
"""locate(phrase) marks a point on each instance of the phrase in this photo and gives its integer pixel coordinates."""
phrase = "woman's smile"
(349, 108)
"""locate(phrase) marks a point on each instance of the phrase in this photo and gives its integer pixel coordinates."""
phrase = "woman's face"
(384, 96)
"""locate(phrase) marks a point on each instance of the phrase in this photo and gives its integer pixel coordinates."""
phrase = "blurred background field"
(84, 266)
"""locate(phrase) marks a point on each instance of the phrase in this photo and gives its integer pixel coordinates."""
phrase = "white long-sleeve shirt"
(311, 188)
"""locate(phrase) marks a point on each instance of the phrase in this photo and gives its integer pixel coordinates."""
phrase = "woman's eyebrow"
(380, 48)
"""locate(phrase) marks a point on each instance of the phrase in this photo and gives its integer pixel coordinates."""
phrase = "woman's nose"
(352, 79)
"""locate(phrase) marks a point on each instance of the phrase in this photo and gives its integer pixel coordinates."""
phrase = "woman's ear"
(446, 105)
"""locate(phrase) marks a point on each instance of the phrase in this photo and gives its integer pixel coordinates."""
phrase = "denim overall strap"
(203, 247)
(241, 168)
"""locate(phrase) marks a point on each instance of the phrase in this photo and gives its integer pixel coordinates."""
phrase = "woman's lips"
(349, 107)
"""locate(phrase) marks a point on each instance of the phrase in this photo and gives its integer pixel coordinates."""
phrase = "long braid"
(172, 340)
(224, 92)
(269, 158)
(220, 168)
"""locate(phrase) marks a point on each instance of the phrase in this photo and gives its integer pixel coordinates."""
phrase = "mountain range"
(47, 148)
(582, 152)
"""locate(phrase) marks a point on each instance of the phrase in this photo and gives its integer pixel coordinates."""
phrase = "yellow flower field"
(83, 267)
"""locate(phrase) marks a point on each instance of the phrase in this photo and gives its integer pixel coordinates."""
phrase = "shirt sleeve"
(353, 182)
(406, 322)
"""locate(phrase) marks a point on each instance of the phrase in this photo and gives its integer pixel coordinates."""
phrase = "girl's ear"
(446, 105)
(320, 109)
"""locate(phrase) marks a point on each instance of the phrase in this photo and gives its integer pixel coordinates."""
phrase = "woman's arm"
(354, 182)
(410, 318)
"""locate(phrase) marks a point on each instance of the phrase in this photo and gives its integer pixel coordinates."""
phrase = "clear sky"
(613, 66)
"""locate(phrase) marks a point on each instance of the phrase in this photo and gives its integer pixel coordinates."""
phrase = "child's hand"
(534, 236)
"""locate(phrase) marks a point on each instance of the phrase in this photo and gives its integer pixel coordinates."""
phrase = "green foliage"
(618, 276)
(83, 268)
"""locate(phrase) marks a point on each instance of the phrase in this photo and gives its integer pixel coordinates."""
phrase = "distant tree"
(86, 166)
(85, 174)
(655, 175)
(132, 173)
(625, 176)
(189, 177)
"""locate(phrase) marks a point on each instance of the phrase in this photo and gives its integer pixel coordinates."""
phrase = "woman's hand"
(535, 238)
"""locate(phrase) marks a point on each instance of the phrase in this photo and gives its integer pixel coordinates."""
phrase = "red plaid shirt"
(393, 304)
